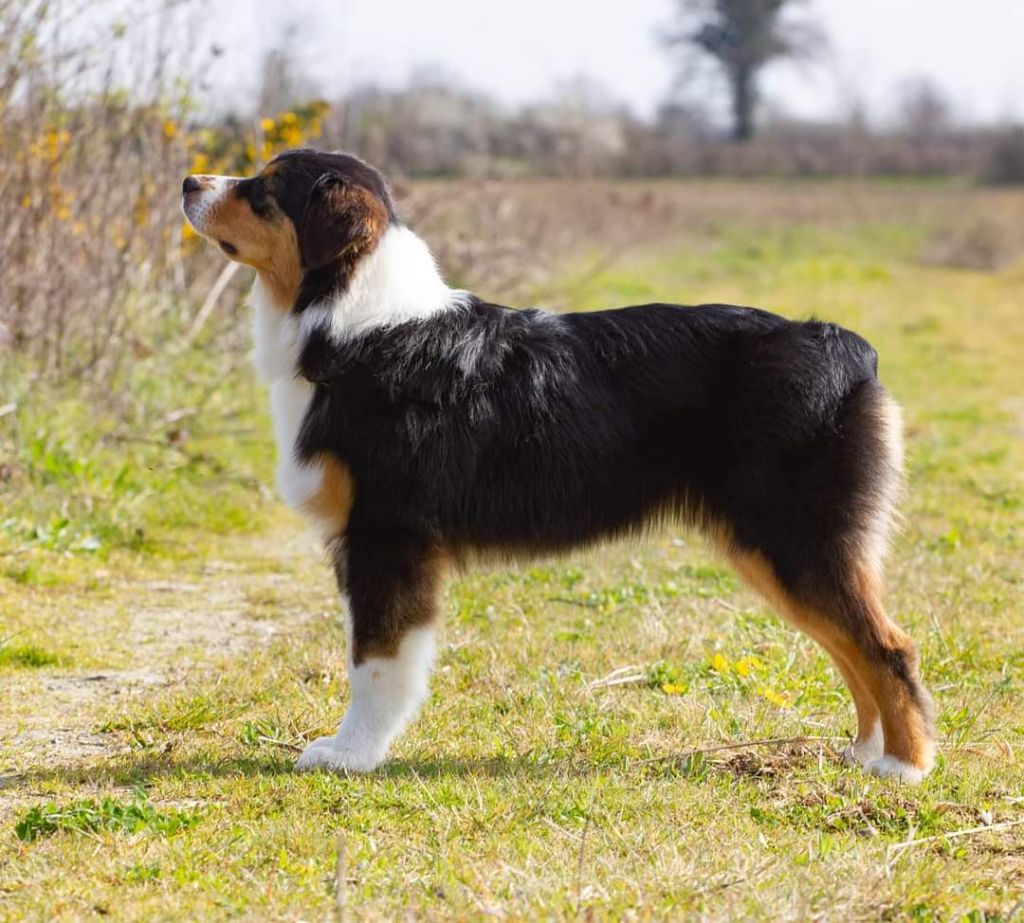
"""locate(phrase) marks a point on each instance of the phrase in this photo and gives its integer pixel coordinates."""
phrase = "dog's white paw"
(890, 767)
(865, 751)
(332, 755)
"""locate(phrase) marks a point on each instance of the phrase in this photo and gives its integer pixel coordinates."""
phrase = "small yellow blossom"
(673, 688)
(170, 129)
(267, 125)
(140, 213)
(200, 163)
(719, 664)
(772, 696)
(746, 664)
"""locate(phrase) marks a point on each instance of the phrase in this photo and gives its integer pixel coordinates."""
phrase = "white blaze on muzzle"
(200, 205)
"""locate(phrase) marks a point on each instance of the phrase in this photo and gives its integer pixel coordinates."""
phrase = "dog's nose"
(191, 184)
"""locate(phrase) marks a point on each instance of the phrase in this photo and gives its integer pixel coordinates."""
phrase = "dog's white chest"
(297, 482)
(276, 353)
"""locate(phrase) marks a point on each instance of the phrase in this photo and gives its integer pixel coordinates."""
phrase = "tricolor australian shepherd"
(419, 427)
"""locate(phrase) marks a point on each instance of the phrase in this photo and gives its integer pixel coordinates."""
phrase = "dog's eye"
(229, 249)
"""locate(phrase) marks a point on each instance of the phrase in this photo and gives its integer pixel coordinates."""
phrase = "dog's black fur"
(488, 429)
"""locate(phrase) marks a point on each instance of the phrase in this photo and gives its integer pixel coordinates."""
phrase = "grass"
(26, 655)
(570, 762)
(110, 814)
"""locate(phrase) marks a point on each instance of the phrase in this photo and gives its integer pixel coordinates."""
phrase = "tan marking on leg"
(908, 736)
(416, 605)
(868, 715)
(332, 503)
(875, 690)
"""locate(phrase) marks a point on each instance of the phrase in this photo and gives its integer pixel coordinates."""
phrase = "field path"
(148, 632)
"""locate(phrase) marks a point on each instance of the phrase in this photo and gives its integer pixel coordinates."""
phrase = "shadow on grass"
(142, 769)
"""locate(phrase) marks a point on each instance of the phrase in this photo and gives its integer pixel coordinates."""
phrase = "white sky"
(516, 52)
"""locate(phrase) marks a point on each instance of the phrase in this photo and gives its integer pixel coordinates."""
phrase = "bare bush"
(1005, 162)
(88, 204)
(98, 131)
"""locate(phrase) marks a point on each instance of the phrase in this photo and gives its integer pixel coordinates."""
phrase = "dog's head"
(307, 212)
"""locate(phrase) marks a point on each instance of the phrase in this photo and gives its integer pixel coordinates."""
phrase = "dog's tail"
(871, 425)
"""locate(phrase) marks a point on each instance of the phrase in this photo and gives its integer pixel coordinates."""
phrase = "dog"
(421, 427)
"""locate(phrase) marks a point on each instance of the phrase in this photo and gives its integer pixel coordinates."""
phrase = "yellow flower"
(55, 141)
(744, 666)
(772, 697)
(673, 688)
(719, 664)
(170, 129)
(200, 163)
(187, 231)
(140, 213)
(267, 125)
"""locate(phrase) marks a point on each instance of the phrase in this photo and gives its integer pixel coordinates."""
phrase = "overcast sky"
(516, 52)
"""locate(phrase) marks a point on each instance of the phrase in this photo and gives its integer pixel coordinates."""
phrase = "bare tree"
(924, 111)
(741, 37)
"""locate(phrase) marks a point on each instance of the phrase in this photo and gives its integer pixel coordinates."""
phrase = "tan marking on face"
(332, 503)
(267, 243)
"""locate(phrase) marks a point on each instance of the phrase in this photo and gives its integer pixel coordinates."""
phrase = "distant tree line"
(433, 127)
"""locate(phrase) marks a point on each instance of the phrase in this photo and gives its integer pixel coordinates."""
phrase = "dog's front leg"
(392, 624)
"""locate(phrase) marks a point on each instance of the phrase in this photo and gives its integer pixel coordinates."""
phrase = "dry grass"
(510, 239)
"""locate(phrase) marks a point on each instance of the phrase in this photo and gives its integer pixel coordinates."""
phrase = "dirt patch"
(1015, 406)
(176, 629)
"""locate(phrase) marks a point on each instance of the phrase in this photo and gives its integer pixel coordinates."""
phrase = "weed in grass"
(110, 814)
(26, 655)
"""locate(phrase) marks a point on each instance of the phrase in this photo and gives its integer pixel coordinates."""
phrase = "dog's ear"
(338, 218)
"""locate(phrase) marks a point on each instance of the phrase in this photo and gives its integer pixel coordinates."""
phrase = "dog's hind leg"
(392, 585)
(867, 745)
(811, 537)
(875, 657)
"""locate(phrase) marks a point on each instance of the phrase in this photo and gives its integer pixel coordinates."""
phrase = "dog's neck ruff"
(396, 283)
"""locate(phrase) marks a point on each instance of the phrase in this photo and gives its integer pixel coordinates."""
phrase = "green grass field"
(625, 734)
